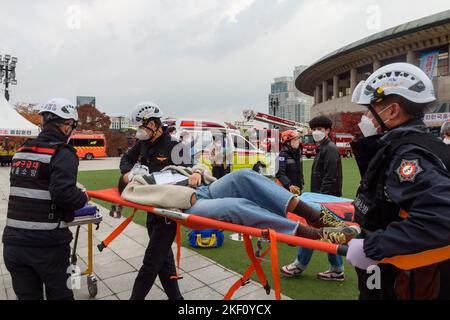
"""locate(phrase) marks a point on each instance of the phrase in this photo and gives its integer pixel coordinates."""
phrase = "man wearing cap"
(43, 198)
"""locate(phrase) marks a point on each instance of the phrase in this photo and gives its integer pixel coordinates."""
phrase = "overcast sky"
(200, 58)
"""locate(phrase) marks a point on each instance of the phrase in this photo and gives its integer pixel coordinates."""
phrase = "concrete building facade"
(120, 123)
(332, 79)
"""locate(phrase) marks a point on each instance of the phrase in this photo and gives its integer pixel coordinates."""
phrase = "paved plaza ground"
(117, 266)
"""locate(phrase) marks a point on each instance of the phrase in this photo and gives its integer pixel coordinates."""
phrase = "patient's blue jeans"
(247, 198)
(305, 255)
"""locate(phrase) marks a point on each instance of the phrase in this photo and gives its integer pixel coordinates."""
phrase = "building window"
(442, 67)
(279, 87)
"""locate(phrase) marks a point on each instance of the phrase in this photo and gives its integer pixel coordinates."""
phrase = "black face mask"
(364, 150)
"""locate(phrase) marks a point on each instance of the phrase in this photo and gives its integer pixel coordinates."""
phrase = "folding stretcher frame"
(89, 272)
(198, 223)
(406, 262)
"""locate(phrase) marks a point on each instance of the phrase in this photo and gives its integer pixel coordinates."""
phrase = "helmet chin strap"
(377, 117)
(154, 132)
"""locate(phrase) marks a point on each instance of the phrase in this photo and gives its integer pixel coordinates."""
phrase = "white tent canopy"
(12, 123)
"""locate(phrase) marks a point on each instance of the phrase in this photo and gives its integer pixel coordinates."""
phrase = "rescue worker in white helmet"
(403, 202)
(43, 198)
(154, 150)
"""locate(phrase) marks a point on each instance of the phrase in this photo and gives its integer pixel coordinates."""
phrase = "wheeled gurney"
(89, 216)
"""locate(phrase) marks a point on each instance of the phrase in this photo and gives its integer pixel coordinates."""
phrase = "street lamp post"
(8, 72)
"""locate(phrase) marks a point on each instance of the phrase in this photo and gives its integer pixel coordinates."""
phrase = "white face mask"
(367, 127)
(447, 141)
(318, 136)
(142, 135)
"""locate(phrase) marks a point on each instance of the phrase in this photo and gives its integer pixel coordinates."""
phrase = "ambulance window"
(81, 142)
(308, 139)
(206, 139)
(201, 139)
(241, 143)
(251, 146)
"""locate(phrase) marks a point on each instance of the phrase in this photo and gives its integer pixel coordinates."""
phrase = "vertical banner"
(428, 62)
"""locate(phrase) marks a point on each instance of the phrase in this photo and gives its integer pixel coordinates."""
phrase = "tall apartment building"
(287, 102)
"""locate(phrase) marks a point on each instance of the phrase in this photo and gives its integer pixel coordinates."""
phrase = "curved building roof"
(392, 42)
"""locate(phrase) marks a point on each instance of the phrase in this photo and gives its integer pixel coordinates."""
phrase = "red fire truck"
(342, 140)
(272, 137)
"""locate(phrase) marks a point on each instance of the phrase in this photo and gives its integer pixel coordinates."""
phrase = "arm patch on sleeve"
(408, 170)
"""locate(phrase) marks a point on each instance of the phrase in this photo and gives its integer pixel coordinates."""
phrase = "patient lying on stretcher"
(242, 197)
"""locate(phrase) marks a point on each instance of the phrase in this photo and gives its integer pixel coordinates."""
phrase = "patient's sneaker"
(341, 235)
(328, 219)
(291, 270)
(331, 275)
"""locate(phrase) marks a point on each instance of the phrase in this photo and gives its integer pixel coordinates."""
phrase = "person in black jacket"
(154, 150)
(326, 175)
(290, 166)
(43, 198)
(326, 178)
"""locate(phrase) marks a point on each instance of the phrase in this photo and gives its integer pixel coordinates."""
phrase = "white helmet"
(402, 79)
(144, 111)
(61, 108)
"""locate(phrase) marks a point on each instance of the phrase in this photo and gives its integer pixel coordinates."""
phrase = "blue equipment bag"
(210, 238)
(88, 210)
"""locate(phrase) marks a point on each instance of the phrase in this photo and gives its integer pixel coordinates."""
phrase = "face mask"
(142, 135)
(447, 141)
(367, 127)
(318, 135)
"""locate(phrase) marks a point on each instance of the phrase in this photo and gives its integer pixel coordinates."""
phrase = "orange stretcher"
(198, 223)
(407, 262)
